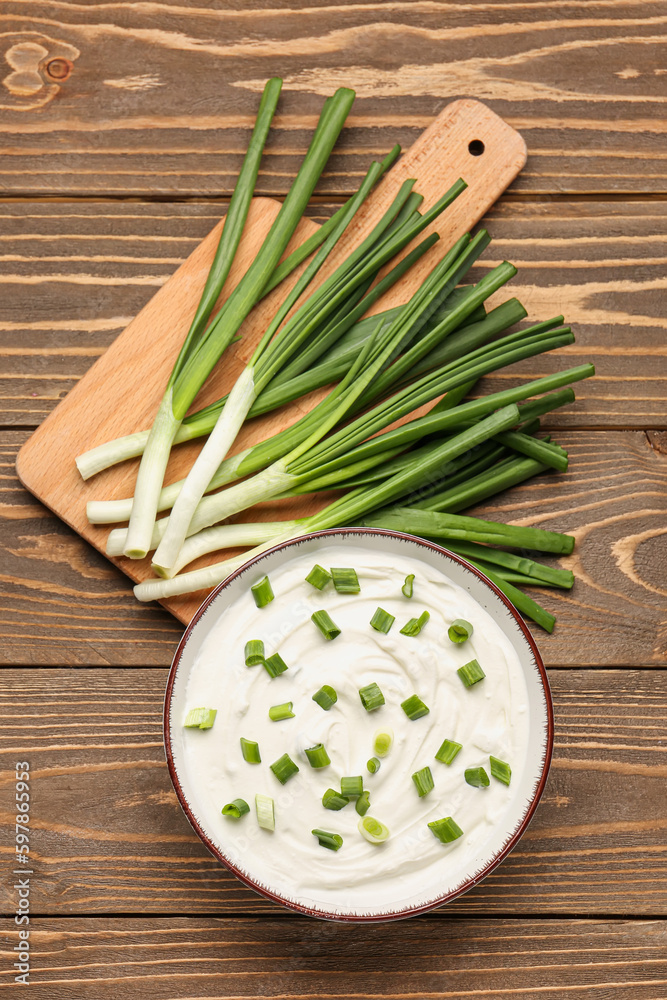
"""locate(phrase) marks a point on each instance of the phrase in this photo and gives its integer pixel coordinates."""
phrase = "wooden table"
(122, 129)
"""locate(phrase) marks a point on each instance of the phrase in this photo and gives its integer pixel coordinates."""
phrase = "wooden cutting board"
(122, 390)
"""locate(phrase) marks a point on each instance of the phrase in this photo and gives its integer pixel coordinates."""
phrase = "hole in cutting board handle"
(475, 147)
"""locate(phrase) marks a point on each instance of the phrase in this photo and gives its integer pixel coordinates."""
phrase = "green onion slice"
(459, 630)
(200, 718)
(476, 776)
(363, 803)
(373, 830)
(275, 665)
(406, 589)
(254, 652)
(373, 765)
(334, 800)
(326, 697)
(236, 809)
(326, 626)
(423, 781)
(500, 770)
(382, 741)
(351, 788)
(264, 808)
(448, 751)
(382, 621)
(415, 625)
(250, 751)
(414, 707)
(318, 577)
(345, 580)
(471, 673)
(332, 841)
(318, 756)
(284, 768)
(371, 697)
(262, 592)
(446, 830)
(279, 712)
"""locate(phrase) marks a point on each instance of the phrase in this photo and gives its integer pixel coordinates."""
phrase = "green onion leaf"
(318, 756)
(352, 788)
(373, 765)
(250, 751)
(382, 741)
(284, 768)
(448, 751)
(459, 630)
(363, 803)
(476, 776)
(332, 841)
(415, 625)
(382, 621)
(262, 592)
(373, 830)
(500, 770)
(334, 800)
(406, 589)
(345, 581)
(423, 781)
(326, 697)
(264, 808)
(446, 830)
(414, 707)
(200, 718)
(371, 697)
(275, 665)
(279, 712)
(254, 652)
(236, 809)
(471, 673)
(324, 623)
(318, 577)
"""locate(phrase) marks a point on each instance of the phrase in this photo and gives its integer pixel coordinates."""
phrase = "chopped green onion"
(351, 788)
(423, 781)
(318, 756)
(345, 580)
(448, 751)
(373, 830)
(250, 751)
(415, 625)
(236, 809)
(371, 697)
(334, 800)
(254, 652)
(414, 707)
(471, 673)
(382, 621)
(363, 803)
(326, 697)
(382, 741)
(279, 712)
(284, 768)
(318, 577)
(324, 623)
(406, 589)
(446, 830)
(332, 841)
(459, 630)
(476, 776)
(500, 770)
(373, 765)
(262, 592)
(275, 665)
(266, 816)
(200, 718)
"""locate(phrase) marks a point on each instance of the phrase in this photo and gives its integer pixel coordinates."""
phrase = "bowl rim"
(405, 912)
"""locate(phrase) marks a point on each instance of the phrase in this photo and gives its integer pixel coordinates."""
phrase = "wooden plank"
(162, 958)
(121, 102)
(73, 275)
(63, 603)
(109, 837)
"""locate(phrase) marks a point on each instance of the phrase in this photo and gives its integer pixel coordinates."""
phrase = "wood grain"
(169, 957)
(108, 835)
(73, 275)
(63, 603)
(128, 98)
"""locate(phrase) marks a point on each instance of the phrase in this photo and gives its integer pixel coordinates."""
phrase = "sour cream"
(490, 718)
